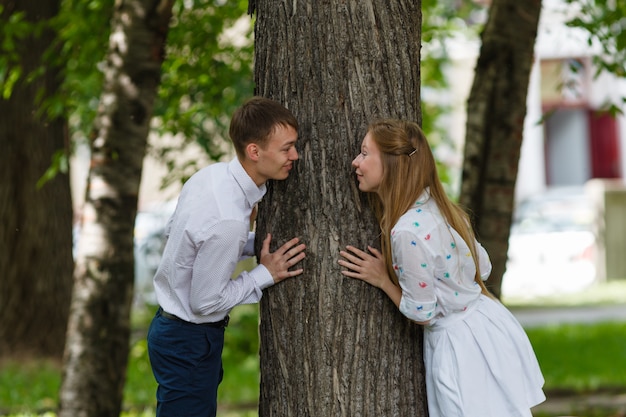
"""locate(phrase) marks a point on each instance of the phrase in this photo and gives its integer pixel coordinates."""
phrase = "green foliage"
(206, 75)
(605, 23)
(14, 29)
(240, 356)
(140, 387)
(207, 72)
(83, 28)
(60, 163)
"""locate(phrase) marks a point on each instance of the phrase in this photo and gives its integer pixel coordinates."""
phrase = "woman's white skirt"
(481, 364)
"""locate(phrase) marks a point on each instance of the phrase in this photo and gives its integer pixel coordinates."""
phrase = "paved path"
(542, 316)
(596, 404)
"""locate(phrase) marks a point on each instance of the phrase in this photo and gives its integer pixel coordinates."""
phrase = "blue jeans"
(186, 360)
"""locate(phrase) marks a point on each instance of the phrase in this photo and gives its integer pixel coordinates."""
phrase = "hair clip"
(412, 152)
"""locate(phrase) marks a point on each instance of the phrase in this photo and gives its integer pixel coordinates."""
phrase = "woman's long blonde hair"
(408, 169)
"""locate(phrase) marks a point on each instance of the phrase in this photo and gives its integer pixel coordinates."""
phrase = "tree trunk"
(495, 124)
(331, 346)
(98, 331)
(36, 229)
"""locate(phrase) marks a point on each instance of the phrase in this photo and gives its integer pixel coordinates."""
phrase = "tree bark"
(36, 229)
(331, 346)
(98, 331)
(495, 123)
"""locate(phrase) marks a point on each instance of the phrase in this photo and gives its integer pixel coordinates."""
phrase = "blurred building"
(569, 138)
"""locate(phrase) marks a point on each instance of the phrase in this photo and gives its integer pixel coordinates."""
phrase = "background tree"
(330, 345)
(205, 73)
(36, 211)
(98, 331)
(496, 110)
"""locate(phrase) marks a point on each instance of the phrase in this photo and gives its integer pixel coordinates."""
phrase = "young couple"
(478, 359)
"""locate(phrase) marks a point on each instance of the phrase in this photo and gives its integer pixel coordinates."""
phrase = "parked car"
(552, 245)
(149, 244)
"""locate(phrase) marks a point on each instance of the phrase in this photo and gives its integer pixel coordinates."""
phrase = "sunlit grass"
(581, 357)
(29, 385)
(30, 388)
(573, 357)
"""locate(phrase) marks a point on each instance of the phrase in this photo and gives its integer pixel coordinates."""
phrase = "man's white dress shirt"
(208, 234)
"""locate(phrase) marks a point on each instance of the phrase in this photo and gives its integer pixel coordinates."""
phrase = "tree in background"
(332, 346)
(97, 342)
(36, 210)
(207, 74)
(495, 122)
(204, 75)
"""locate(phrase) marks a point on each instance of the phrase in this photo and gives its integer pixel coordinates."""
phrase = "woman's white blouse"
(434, 265)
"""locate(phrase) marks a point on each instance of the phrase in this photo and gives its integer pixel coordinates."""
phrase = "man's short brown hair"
(255, 121)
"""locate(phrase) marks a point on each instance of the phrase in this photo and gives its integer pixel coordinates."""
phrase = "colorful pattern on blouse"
(434, 265)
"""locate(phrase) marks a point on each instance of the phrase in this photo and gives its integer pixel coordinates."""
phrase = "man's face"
(275, 160)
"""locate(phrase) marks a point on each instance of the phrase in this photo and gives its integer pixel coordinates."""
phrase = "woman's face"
(368, 165)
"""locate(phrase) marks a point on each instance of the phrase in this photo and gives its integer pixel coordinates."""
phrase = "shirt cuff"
(417, 311)
(262, 277)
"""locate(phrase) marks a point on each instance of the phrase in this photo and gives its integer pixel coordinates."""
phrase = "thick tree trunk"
(98, 332)
(331, 346)
(495, 122)
(36, 229)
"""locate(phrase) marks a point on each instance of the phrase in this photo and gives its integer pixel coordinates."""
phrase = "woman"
(478, 359)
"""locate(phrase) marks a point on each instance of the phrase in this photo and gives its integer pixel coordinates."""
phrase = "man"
(208, 234)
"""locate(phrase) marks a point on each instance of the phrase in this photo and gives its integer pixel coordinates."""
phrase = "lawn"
(30, 388)
(574, 358)
(581, 358)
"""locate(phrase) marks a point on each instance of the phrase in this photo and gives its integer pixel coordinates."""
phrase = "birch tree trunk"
(36, 229)
(98, 332)
(331, 346)
(495, 123)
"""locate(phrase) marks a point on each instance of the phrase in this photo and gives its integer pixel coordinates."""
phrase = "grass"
(573, 358)
(581, 358)
(31, 385)
(30, 388)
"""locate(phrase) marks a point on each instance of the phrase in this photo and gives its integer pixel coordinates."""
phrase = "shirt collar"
(424, 197)
(253, 193)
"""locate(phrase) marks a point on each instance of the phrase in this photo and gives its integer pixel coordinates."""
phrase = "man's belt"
(221, 324)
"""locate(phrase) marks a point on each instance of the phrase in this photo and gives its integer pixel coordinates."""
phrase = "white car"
(149, 243)
(552, 245)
